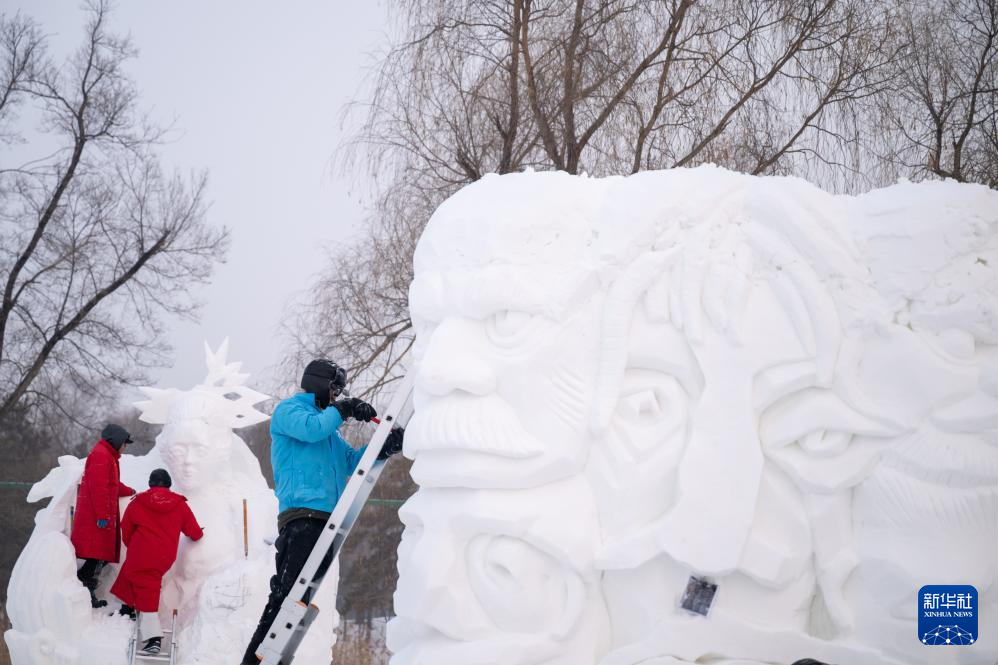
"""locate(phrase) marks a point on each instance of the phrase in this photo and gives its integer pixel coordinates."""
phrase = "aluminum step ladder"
(298, 612)
(168, 654)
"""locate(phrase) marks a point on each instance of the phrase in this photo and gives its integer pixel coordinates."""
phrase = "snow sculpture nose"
(454, 360)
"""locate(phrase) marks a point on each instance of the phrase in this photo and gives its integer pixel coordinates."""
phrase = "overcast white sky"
(255, 90)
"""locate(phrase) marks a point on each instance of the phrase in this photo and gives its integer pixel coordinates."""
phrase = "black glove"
(393, 444)
(352, 407)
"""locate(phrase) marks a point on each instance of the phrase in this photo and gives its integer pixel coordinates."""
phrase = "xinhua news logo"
(947, 615)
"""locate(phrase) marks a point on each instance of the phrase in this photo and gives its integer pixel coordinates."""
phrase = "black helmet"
(160, 478)
(116, 435)
(321, 376)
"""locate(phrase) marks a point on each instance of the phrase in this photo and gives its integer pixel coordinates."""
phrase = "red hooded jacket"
(97, 499)
(151, 530)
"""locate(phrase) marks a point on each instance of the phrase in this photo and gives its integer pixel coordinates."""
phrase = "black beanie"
(319, 375)
(116, 435)
(160, 478)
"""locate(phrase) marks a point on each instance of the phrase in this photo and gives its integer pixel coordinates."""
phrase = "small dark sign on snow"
(698, 596)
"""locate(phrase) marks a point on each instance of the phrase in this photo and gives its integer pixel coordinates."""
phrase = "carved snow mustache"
(466, 422)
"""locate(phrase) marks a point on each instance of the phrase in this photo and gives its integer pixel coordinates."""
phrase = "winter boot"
(128, 611)
(152, 647)
(91, 585)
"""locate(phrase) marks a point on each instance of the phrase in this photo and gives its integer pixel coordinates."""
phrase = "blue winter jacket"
(312, 463)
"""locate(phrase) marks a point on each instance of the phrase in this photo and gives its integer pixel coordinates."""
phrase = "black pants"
(89, 572)
(294, 544)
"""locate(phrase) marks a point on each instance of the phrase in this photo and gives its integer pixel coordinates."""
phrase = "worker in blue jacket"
(312, 464)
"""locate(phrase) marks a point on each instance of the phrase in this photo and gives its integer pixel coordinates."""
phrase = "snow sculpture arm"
(190, 526)
(301, 423)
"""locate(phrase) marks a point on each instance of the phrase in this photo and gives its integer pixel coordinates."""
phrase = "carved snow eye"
(509, 327)
(521, 588)
(653, 408)
(650, 398)
(643, 404)
(172, 454)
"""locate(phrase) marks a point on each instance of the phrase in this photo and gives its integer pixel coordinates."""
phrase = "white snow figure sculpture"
(789, 394)
(218, 590)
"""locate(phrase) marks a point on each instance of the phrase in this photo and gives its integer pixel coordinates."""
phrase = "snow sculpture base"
(217, 589)
(626, 382)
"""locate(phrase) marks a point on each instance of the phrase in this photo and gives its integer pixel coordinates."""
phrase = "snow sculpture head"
(196, 443)
(507, 338)
(935, 367)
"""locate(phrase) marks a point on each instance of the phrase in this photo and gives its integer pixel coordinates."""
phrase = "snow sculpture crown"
(222, 399)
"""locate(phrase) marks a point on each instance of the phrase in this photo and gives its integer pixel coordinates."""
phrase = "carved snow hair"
(704, 277)
(222, 399)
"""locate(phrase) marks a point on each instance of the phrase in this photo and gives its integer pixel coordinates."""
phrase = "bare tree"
(21, 48)
(942, 113)
(357, 313)
(597, 86)
(97, 242)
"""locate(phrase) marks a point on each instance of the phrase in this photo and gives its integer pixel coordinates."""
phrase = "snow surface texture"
(218, 591)
(624, 382)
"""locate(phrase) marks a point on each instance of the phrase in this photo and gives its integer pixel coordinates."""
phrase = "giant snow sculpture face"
(498, 577)
(508, 343)
(933, 492)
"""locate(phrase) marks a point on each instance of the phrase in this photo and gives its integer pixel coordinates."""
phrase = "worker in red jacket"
(151, 530)
(95, 534)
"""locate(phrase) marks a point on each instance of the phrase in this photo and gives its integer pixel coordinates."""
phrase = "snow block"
(626, 383)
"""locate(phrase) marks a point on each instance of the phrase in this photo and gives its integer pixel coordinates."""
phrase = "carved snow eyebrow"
(552, 290)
